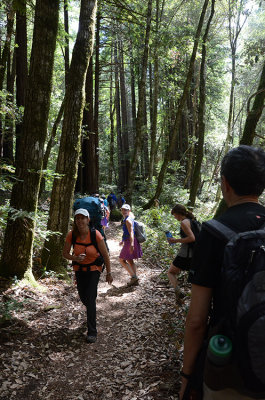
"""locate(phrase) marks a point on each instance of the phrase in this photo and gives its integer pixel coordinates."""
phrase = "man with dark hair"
(242, 182)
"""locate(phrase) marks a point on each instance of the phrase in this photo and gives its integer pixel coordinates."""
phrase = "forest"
(137, 98)
(117, 96)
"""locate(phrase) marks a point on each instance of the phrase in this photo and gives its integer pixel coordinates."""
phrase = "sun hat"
(82, 211)
(126, 207)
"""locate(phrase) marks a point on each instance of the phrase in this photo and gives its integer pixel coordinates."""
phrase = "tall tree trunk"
(124, 119)
(180, 108)
(66, 29)
(235, 28)
(96, 106)
(254, 115)
(63, 186)
(121, 178)
(9, 120)
(145, 144)
(141, 102)
(132, 95)
(89, 143)
(4, 62)
(50, 145)
(21, 64)
(201, 127)
(111, 112)
(16, 260)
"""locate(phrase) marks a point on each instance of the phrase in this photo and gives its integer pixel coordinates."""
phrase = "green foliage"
(115, 215)
(7, 308)
(156, 249)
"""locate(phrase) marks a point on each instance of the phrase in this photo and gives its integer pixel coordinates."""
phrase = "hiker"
(112, 200)
(105, 200)
(131, 249)
(105, 213)
(120, 201)
(242, 183)
(182, 261)
(87, 264)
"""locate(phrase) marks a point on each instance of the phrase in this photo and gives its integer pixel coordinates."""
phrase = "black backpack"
(196, 229)
(99, 260)
(243, 300)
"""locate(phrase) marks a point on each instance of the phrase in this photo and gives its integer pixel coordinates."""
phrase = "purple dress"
(125, 253)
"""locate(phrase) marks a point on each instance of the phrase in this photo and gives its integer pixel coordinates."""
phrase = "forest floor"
(44, 354)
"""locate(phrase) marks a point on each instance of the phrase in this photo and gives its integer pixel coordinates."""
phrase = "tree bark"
(21, 65)
(180, 109)
(16, 260)
(235, 28)
(132, 95)
(4, 62)
(96, 107)
(50, 145)
(89, 142)
(121, 178)
(63, 187)
(201, 127)
(66, 51)
(254, 115)
(111, 112)
(124, 119)
(9, 120)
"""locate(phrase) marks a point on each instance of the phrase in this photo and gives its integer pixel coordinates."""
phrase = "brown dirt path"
(44, 354)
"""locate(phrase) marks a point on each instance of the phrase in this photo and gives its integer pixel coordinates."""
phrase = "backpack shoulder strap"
(73, 239)
(93, 237)
(219, 230)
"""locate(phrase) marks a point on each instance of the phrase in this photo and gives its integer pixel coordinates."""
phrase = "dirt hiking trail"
(43, 350)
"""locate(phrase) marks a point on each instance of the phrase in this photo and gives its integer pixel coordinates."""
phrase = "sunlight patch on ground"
(114, 247)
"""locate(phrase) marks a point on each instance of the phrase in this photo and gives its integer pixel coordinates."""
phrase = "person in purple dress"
(131, 249)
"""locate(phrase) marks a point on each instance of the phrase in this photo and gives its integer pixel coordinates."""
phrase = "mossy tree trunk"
(63, 187)
(254, 114)
(18, 241)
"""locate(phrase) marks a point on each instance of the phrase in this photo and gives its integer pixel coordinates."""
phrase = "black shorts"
(183, 263)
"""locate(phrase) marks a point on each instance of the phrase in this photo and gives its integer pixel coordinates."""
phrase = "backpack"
(243, 300)
(94, 207)
(196, 229)
(99, 260)
(139, 231)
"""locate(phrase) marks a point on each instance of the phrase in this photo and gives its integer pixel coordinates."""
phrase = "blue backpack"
(94, 207)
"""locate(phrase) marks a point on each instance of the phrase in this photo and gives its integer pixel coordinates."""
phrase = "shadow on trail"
(119, 291)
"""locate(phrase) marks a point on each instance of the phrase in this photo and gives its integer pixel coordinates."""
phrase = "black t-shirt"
(209, 251)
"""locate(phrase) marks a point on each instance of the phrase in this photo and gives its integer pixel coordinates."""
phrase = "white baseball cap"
(126, 207)
(82, 211)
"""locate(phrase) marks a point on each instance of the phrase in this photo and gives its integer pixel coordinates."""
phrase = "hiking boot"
(179, 296)
(133, 281)
(91, 339)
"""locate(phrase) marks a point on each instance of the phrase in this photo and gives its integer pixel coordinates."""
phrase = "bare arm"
(130, 230)
(67, 253)
(195, 327)
(185, 225)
